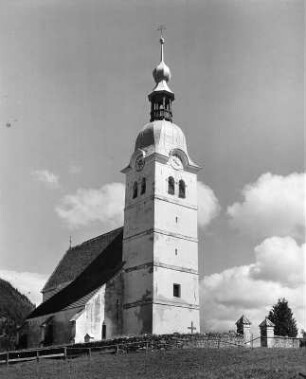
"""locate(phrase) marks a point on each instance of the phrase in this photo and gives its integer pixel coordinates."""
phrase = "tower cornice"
(189, 165)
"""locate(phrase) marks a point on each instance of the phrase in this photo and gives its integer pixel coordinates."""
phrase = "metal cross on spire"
(162, 41)
(161, 28)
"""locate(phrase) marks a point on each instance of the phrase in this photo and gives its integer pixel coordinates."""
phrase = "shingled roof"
(107, 262)
(243, 320)
(266, 322)
(78, 258)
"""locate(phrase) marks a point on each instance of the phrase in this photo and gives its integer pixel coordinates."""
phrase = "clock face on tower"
(176, 162)
(139, 163)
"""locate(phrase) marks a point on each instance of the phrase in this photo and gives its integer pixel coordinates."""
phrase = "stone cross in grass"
(191, 327)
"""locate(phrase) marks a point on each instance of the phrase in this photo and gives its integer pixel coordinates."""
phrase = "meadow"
(240, 363)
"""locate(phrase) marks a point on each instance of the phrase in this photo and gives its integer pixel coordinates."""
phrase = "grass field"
(185, 364)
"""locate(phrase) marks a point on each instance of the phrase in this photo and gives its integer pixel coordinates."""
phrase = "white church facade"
(141, 278)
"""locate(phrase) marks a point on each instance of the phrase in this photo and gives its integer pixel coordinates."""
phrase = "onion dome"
(162, 71)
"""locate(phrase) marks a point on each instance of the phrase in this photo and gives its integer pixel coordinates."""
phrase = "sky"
(74, 80)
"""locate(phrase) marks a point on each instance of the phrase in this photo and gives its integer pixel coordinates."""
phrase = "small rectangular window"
(143, 186)
(176, 290)
(135, 190)
(103, 331)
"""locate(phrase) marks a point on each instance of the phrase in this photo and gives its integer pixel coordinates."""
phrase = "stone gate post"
(244, 328)
(267, 333)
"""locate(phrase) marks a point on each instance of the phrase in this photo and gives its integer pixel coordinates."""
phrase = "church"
(141, 278)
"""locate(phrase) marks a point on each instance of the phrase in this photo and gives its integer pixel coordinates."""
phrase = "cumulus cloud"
(106, 205)
(280, 260)
(27, 283)
(86, 206)
(253, 289)
(272, 206)
(47, 177)
(208, 205)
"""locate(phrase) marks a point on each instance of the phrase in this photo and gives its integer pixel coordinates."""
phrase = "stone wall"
(212, 340)
(197, 340)
(286, 342)
(168, 341)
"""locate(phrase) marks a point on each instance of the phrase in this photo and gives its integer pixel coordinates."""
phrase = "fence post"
(89, 353)
(218, 343)
(65, 353)
(7, 358)
(145, 360)
(37, 355)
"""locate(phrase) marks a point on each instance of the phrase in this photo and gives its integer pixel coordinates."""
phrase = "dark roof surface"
(78, 258)
(243, 320)
(266, 322)
(107, 263)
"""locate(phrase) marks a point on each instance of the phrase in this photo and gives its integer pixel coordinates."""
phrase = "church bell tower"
(160, 241)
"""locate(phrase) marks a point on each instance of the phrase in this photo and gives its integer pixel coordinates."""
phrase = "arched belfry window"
(182, 189)
(171, 185)
(143, 186)
(135, 190)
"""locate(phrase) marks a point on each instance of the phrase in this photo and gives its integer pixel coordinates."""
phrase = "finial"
(162, 41)
(161, 28)
(70, 242)
(162, 72)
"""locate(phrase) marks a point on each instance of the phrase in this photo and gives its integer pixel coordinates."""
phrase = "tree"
(14, 308)
(281, 315)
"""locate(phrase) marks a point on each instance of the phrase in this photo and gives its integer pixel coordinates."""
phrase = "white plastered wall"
(91, 318)
(160, 229)
(181, 319)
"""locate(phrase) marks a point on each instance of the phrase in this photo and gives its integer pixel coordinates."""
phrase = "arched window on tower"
(171, 185)
(135, 190)
(182, 189)
(143, 186)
